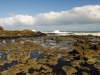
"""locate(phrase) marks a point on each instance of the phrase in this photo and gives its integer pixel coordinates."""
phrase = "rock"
(84, 73)
(85, 68)
(0, 55)
(97, 66)
(91, 60)
(52, 62)
(1, 28)
(47, 69)
(2, 62)
(42, 60)
(76, 63)
(69, 70)
(66, 59)
(18, 56)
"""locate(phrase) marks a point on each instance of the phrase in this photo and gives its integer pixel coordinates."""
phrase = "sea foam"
(75, 33)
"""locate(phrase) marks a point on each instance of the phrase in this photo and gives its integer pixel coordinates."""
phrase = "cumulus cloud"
(18, 19)
(79, 15)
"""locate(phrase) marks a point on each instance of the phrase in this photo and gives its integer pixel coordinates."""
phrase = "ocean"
(94, 33)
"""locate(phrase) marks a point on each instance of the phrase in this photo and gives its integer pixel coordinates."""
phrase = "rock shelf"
(81, 52)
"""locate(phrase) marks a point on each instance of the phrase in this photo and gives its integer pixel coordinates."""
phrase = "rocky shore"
(50, 55)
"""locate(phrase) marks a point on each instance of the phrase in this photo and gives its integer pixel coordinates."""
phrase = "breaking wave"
(94, 33)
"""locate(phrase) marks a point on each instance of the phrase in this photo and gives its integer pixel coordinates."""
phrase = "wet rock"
(42, 60)
(84, 51)
(18, 56)
(47, 69)
(91, 60)
(66, 59)
(85, 68)
(52, 62)
(85, 73)
(40, 73)
(97, 66)
(0, 55)
(76, 63)
(69, 70)
(2, 62)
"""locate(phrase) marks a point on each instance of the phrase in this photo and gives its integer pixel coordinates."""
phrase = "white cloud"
(18, 19)
(79, 15)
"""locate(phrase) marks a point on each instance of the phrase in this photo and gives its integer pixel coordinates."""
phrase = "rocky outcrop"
(1, 28)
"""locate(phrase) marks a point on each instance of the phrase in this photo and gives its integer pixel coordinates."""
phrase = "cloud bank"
(79, 15)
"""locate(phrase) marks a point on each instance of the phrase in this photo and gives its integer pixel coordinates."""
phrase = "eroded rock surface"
(82, 58)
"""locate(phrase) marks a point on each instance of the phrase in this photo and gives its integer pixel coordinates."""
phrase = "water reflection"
(3, 55)
(35, 54)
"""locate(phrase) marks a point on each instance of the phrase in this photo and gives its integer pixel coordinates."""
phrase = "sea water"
(94, 33)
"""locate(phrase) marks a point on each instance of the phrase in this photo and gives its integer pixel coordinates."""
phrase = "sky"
(50, 15)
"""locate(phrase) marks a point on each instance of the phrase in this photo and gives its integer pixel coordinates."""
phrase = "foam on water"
(56, 31)
(94, 33)
(34, 30)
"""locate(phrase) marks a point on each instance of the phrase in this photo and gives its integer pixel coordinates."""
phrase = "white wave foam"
(74, 33)
(34, 30)
(94, 34)
(56, 31)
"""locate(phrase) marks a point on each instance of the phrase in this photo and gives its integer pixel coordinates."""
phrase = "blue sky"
(46, 15)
